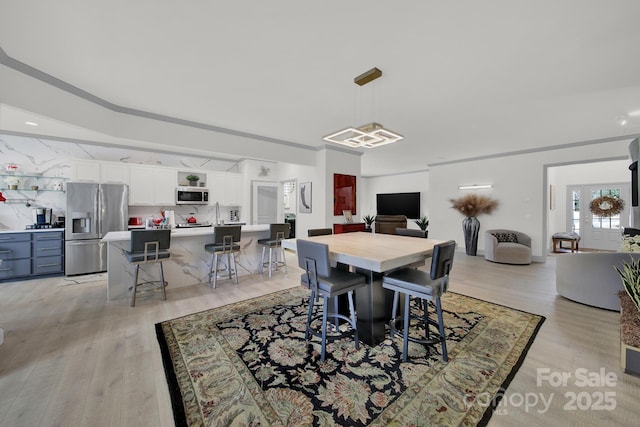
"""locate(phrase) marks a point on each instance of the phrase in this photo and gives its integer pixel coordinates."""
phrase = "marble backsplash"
(52, 159)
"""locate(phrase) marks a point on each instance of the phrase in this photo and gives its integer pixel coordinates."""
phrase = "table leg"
(374, 305)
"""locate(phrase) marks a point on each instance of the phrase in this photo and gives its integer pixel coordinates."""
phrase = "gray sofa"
(589, 277)
(507, 247)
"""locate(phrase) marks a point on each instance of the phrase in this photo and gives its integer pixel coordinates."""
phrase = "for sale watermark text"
(582, 394)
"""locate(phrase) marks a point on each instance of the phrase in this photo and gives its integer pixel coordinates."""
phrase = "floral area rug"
(248, 364)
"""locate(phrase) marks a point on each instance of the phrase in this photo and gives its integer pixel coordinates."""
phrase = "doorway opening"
(264, 202)
(597, 231)
(290, 203)
(569, 191)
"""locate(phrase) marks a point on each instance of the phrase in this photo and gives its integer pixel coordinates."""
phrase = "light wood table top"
(371, 251)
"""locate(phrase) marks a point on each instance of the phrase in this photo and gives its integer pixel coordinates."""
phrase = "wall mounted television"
(407, 204)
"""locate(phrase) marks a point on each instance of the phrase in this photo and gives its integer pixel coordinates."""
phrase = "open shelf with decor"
(31, 182)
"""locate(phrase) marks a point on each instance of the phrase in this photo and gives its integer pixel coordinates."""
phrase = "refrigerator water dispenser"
(81, 223)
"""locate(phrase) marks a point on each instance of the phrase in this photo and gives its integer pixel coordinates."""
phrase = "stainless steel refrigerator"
(93, 210)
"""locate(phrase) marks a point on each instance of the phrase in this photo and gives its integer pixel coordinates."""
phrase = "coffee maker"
(41, 217)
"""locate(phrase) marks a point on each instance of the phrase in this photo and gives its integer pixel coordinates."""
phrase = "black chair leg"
(135, 286)
(394, 312)
(425, 311)
(164, 291)
(353, 320)
(307, 332)
(443, 339)
(324, 329)
(407, 321)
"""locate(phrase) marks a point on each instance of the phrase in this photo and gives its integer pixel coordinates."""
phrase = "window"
(612, 222)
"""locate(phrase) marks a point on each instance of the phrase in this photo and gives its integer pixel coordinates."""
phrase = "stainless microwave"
(192, 196)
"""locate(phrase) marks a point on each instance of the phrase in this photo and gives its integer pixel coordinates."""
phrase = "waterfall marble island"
(189, 264)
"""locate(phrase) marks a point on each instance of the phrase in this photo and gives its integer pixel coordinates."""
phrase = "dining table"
(373, 255)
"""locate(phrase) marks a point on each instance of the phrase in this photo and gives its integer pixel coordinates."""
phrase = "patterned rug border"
(175, 394)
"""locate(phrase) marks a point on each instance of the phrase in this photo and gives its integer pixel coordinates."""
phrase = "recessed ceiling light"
(31, 123)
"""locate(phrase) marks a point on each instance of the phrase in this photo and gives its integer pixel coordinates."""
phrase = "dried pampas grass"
(473, 204)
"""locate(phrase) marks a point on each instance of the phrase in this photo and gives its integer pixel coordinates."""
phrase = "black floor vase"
(470, 228)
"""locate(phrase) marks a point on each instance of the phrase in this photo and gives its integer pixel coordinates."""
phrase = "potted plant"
(630, 314)
(472, 205)
(12, 182)
(368, 220)
(193, 180)
(423, 223)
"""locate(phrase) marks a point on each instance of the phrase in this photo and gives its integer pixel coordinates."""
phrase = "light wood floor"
(70, 358)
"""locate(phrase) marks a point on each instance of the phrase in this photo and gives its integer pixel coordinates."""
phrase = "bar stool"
(148, 247)
(328, 283)
(426, 286)
(225, 238)
(274, 243)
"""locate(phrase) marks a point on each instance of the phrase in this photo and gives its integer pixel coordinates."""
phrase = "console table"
(348, 228)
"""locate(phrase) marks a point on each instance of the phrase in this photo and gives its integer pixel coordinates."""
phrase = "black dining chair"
(225, 239)
(148, 247)
(427, 286)
(327, 283)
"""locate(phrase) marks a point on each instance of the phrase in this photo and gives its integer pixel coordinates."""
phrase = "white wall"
(559, 177)
(402, 183)
(336, 161)
(519, 186)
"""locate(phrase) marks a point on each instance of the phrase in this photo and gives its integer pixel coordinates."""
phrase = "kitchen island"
(189, 264)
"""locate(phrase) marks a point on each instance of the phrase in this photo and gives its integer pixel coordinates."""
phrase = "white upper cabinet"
(141, 186)
(114, 172)
(225, 188)
(165, 182)
(97, 171)
(152, 185)
(85, 170)
(156, 185)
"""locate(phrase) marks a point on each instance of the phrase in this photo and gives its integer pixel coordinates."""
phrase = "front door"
(597, 231)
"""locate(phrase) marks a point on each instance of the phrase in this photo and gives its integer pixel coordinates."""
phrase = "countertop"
(41, 230)
(115, 236)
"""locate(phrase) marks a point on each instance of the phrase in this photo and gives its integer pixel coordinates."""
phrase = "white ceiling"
(461, 78)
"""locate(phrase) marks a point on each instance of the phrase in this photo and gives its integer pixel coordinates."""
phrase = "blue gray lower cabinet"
(29, 254)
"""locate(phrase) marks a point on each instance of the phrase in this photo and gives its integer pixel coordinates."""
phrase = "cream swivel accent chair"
(148, 247)
(507, 247)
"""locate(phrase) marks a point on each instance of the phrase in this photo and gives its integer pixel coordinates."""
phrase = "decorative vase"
(193, 183)
(13, 187)
(367, 228)
(470, 228)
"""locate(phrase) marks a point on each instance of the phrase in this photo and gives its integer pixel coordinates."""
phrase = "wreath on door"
(606, 206)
